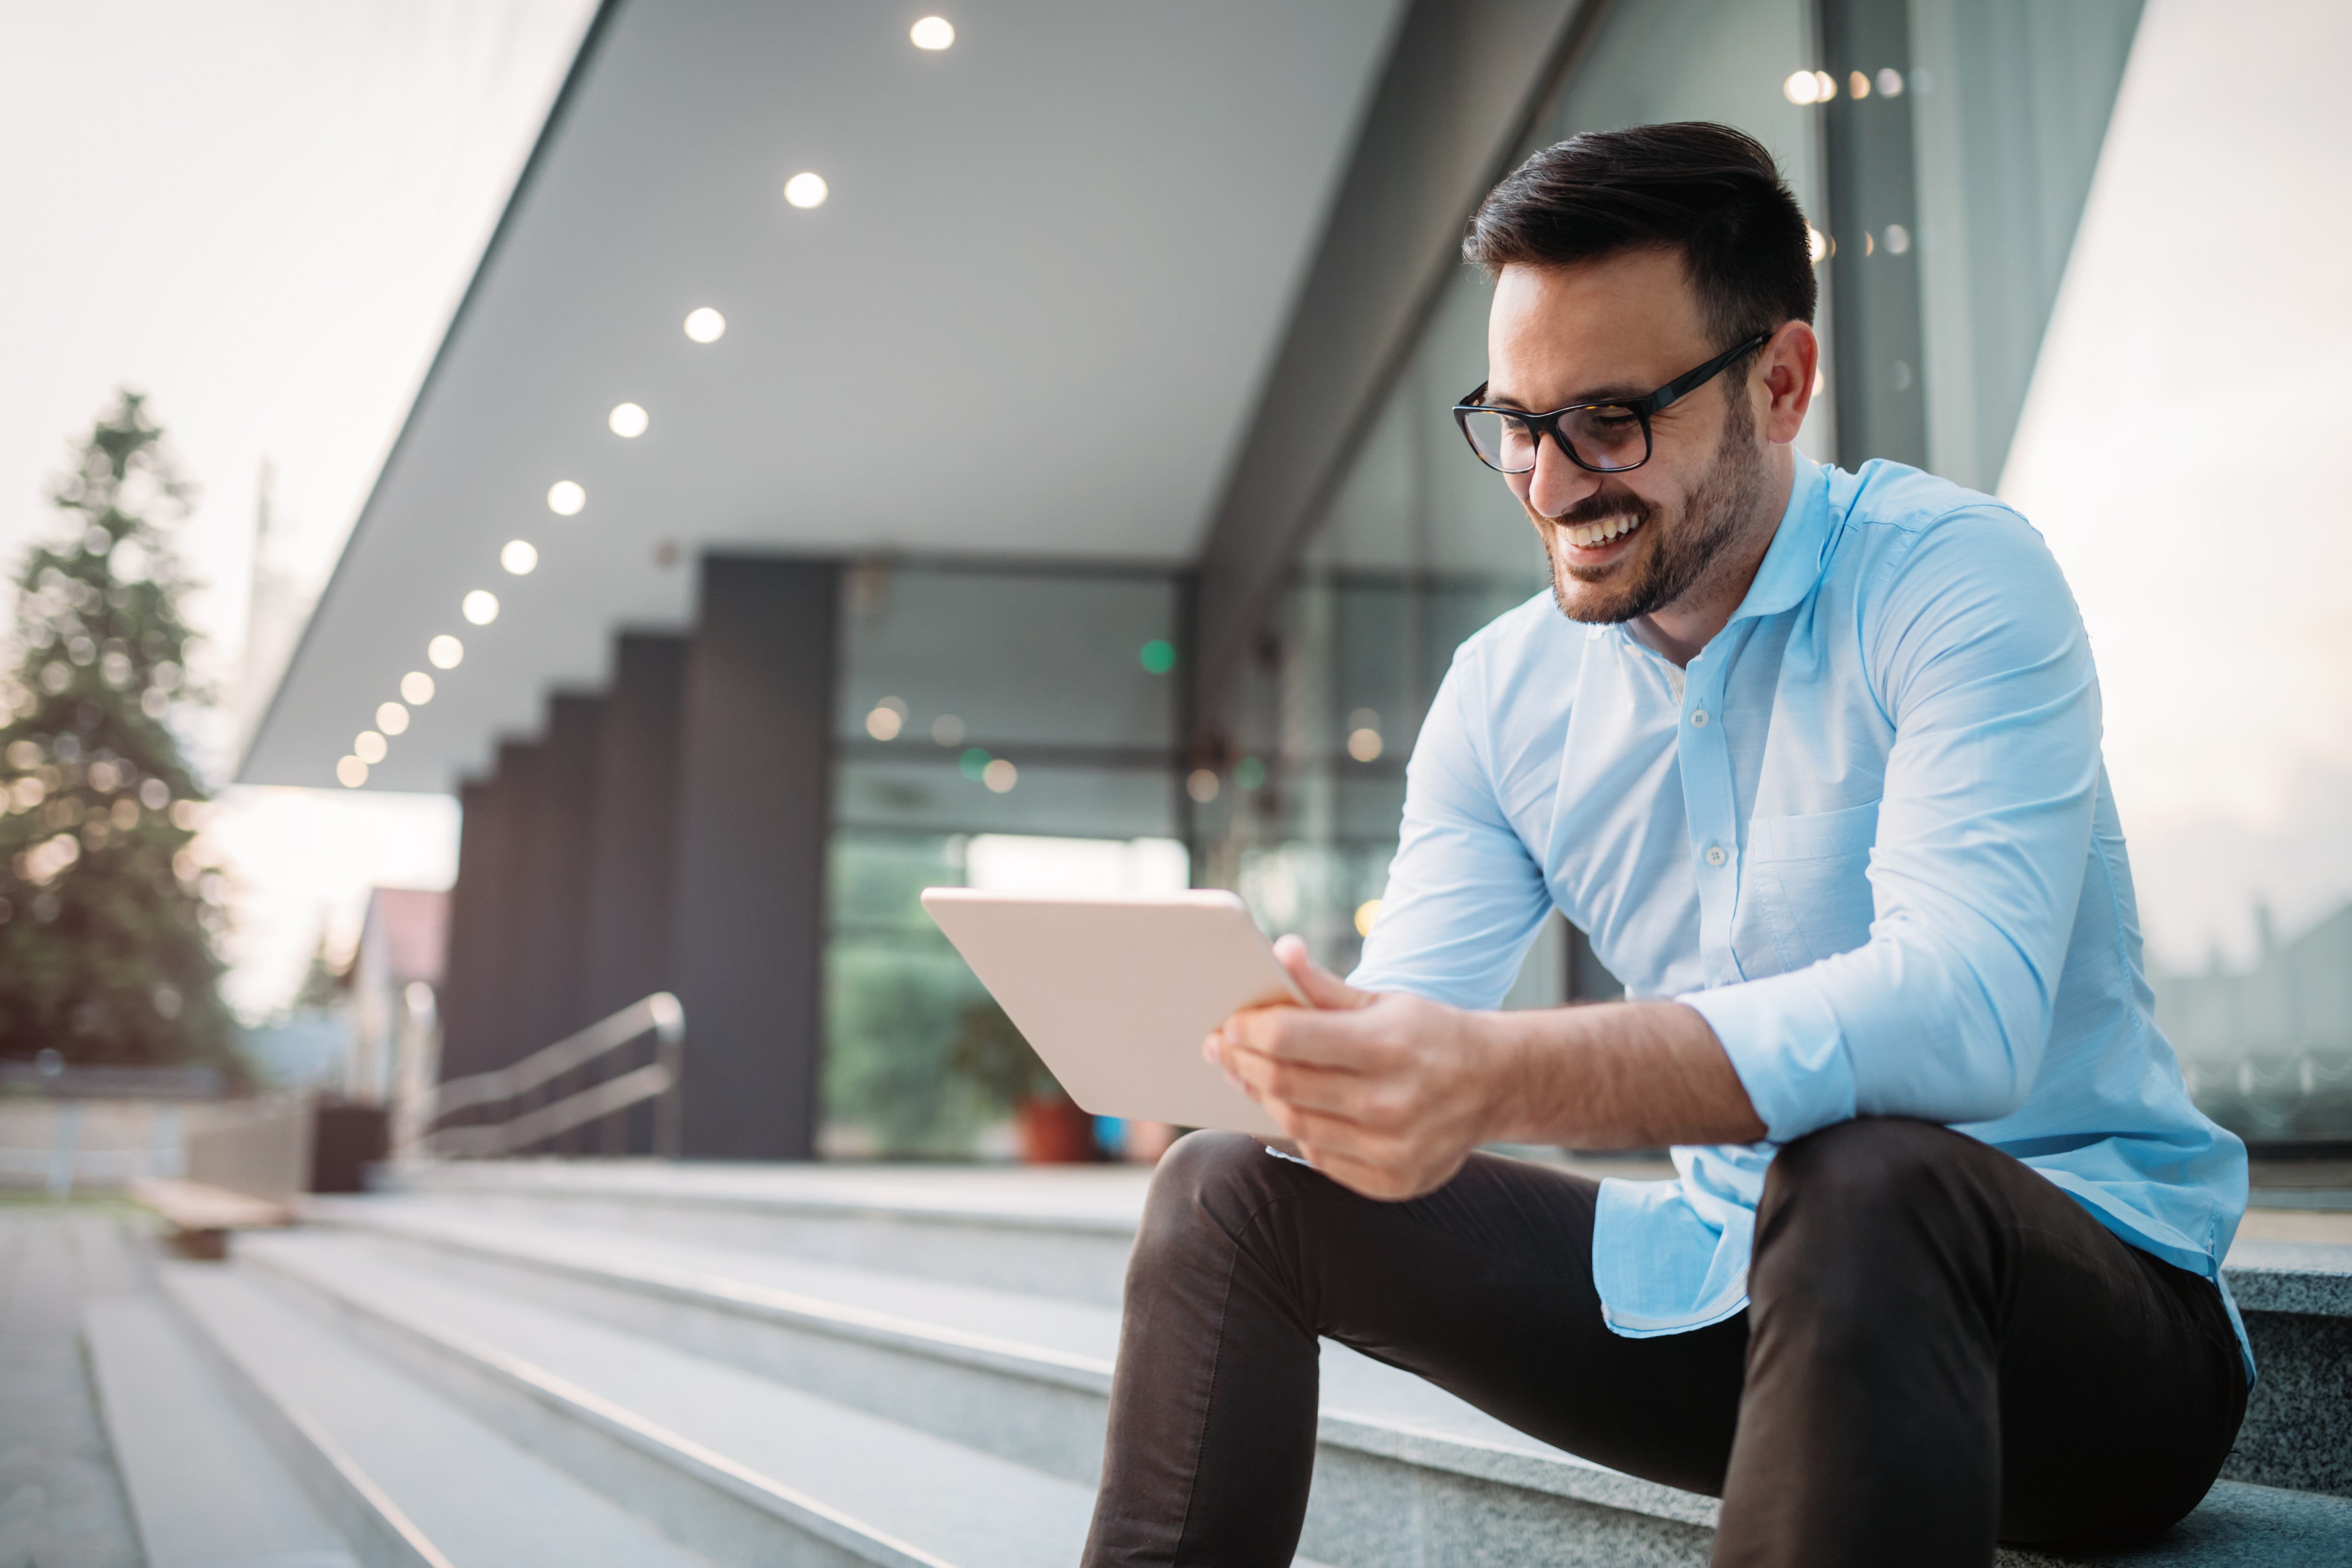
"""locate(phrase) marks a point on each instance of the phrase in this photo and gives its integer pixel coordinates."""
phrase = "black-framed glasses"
(1602, 437)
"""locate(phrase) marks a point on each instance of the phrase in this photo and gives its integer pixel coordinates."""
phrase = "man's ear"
(1788, 368)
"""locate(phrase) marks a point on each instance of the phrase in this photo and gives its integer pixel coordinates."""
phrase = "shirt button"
(1715, 856)
(1698, 717)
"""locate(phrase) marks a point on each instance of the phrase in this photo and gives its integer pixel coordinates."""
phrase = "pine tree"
(107, 919)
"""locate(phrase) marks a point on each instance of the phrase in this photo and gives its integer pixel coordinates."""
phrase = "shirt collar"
(1792, 565)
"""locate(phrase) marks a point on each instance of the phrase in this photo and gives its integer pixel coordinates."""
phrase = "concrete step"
(1063, 1231)
(1066, 1234)
(1404, 1472)
(205, 1489)
(407, 1478)
(737, 1466)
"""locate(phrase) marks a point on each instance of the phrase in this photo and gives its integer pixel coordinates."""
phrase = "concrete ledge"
(2309, 1277)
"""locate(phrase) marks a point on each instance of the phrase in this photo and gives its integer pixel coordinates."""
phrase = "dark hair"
(1708, 191)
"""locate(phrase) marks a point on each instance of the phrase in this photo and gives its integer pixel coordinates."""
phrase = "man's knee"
(1205, 1190)
(1859, 1191)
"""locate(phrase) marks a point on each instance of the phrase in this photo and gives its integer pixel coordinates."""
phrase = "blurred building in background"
(1053, 485)
(396, 969)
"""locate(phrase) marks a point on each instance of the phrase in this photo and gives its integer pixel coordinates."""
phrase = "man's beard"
(1723, 502)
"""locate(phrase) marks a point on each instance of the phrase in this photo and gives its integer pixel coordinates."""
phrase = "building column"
(634, 831)
(1878, 378)
(463, 971)
(747, 915)
(552, 971)
(632, 848)
(478, 989)
(505, 996)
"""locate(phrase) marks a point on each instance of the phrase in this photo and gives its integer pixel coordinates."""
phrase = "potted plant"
(991, 1055)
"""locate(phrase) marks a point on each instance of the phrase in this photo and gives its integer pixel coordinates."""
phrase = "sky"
(261, 212)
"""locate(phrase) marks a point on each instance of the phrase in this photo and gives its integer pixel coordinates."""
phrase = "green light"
(1158, 656)
(1249, 773)
(973, 762)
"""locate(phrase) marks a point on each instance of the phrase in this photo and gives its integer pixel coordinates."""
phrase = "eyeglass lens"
(1606, 437)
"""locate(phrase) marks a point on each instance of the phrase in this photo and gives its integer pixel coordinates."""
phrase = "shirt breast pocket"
(1805, 892)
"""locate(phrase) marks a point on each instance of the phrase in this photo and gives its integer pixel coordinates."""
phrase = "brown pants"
(1941, 1348)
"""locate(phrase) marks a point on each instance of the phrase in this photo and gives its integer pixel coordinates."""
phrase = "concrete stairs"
(593, 1362)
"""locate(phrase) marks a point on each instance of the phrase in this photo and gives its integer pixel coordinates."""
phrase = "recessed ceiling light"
(520, 557)
(446, 652)
(565, 498)
(351, 773)
(705, 325)
(805, 190)
(932, 33)
(391, 718)
(369, 748)
(628, 421)
(416, 689)
(481, 607)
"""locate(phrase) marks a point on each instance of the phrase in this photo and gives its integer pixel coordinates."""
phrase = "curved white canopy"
(1029, 318)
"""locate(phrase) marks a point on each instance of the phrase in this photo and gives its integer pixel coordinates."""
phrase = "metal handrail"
(662, 1078)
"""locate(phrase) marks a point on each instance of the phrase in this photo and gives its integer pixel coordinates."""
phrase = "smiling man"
(1815, 758)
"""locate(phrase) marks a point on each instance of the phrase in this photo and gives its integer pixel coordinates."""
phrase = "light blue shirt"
(1867, 834)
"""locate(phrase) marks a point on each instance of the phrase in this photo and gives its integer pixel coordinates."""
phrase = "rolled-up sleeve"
(1978, 657)
(1464, 896)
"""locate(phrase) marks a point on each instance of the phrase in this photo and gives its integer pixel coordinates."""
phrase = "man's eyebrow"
(1595, 395)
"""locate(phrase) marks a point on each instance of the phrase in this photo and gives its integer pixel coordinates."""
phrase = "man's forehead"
(1592, 330)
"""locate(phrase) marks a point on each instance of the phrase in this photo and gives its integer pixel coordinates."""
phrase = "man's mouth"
(1594, 536)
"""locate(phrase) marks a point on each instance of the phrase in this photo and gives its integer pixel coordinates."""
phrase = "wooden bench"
(202, 1215)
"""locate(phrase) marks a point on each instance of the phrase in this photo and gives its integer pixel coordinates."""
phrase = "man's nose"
(1557, 484)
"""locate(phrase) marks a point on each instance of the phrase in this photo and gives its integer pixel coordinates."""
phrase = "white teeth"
(1592, 533)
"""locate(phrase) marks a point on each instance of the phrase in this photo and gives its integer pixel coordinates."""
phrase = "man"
(1814, 757)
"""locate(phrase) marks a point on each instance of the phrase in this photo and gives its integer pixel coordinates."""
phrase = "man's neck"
(1680, 630)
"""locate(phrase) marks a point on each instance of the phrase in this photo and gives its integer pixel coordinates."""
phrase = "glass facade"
(1946, 151)
(2211, 559)
(1421, 545)
(999, 725)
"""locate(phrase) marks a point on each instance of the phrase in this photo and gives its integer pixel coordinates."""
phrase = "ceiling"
(1030, 318)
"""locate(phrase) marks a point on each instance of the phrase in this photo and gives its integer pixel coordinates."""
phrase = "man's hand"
(1388, 1093)
(1383, 1092)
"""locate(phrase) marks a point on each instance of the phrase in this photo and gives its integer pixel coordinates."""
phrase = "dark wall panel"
(747, 910)
(468, 977)
(500, 853)
(557, 813)
(634, 831)
(1876, 333)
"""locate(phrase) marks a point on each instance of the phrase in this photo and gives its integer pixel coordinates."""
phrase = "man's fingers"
(1389, 1183)
(1343, 1042)
(1212, 1050)
(1294, 1083)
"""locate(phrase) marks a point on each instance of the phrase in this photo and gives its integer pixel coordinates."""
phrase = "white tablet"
(1115, 995)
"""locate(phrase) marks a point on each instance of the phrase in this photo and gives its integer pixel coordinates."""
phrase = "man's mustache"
(1603, 505)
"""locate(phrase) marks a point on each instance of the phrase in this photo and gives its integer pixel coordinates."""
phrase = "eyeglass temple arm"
(1683, 385)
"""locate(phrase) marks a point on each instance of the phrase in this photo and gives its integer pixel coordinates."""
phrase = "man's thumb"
(1323, 988)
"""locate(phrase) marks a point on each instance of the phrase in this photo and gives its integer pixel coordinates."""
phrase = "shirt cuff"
(1785, 1043)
